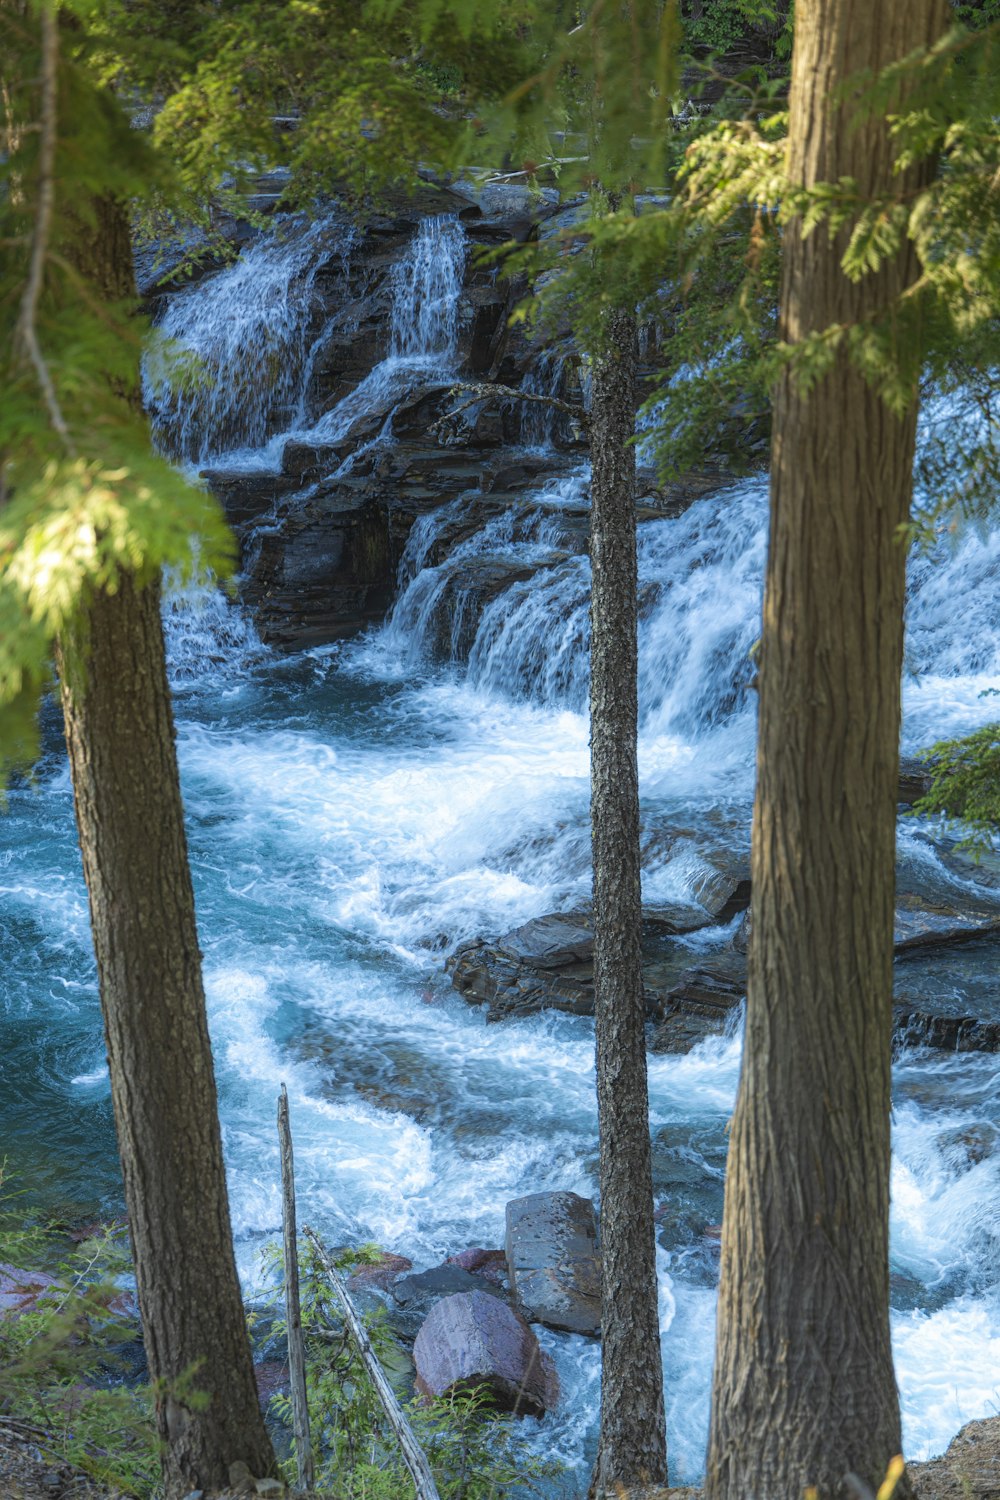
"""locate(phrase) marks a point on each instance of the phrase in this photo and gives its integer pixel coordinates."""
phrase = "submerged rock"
(489, 1263)
(553, 1262)
(548, 963)
(21, 1291)
(474, 1342)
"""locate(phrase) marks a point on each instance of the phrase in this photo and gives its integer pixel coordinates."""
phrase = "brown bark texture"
(632, 1446)
(804, 1390)
(120, 734)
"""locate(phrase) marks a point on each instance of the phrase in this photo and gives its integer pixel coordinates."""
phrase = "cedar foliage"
(84, 496)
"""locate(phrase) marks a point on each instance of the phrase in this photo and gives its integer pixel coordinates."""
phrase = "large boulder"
(553, 1262)
(474, 1342)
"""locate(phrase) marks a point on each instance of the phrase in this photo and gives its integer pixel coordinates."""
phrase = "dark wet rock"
(723, 887)
(441, 1281)
(741, 937)
(706, 999)
(522, 471)
(914, 1027)
(307, 461)
(413, 1297)
(914, 780)
(248, 497)
(701, 1005)
(982, 867)
(553, 1262)
(381, 1274)
(942, 928)
(487, 973)
(474, 1342)
(547, 964)
(489, 1263)
(671, 919)
(552, 942)
(324, 574)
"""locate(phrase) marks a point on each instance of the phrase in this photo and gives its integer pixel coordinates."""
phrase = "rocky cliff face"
(351, 424)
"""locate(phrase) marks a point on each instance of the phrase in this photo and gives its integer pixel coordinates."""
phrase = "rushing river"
(356, 811)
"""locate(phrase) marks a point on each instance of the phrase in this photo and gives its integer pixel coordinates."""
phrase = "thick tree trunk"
(120, 734)
(804, 1390)
(632, 1449)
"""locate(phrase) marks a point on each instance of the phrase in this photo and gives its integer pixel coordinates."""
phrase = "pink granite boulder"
(475, 1342)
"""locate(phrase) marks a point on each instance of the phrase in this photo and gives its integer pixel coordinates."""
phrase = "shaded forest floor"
(969, 1470)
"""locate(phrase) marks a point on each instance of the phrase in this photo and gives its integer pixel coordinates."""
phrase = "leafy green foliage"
(719, 237)
(474, 1453)
(966, 785)
(83, 495)
(58, 1354)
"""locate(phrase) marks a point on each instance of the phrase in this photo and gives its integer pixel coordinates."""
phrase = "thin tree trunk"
(305, 1466)
(632, 1448)
(120, 734)
(804, 1389)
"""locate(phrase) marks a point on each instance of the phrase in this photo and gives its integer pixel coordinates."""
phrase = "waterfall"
(250, 338)
(356, 811)
(229, 380)
(425, 286)
(700, 580)
(539, 425)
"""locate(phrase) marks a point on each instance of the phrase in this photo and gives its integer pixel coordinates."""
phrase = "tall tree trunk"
(804, 1390)
(632, 1447)
(120, 734)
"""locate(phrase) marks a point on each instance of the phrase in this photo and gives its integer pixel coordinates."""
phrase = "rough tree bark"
(804, 1389)
(120, 733)
(632, 1447)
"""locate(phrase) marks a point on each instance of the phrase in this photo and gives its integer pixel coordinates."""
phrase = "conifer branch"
(485, 391)
(26, 331)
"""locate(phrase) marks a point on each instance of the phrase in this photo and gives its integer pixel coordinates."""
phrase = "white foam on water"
(946, 1367)
(355, 813)
(251, 330)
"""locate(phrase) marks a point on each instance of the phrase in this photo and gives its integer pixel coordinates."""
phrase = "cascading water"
(423, 331)
(426, 284)
(356, 812)
(251, 335)
(540, 423)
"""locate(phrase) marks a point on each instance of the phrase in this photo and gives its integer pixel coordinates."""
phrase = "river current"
(356, 811)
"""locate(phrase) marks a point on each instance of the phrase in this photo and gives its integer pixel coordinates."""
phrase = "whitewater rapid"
(356, 811)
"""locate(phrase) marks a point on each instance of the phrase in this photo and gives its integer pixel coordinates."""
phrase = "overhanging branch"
(487, 391)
